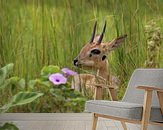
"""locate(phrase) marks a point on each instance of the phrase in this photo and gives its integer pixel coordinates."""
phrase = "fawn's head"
(95, 52)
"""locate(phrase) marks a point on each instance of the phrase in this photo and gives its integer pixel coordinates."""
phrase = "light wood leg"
(160, 98)
(146, 109)
(124, 125)
(94, 121)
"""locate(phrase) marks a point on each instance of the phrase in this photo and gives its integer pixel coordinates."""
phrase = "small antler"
(102, 34)
(93, 34)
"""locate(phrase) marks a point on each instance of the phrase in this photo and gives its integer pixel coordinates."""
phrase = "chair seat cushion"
(131, 111)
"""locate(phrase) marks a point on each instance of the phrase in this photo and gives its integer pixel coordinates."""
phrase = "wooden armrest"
(148, 101)
(148, 88)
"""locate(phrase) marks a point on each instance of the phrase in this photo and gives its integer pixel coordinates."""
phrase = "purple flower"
(57, 79)
(68, 72)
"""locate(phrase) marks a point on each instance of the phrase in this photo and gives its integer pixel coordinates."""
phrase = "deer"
(93, 56)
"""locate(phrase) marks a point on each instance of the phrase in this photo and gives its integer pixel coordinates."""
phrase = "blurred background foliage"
(36, 33)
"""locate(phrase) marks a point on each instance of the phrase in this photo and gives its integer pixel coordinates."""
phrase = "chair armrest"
(149, 88)
(148, 100)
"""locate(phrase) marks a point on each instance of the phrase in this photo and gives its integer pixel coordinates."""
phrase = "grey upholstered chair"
(138, 106)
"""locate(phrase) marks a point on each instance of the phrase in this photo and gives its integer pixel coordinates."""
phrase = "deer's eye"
(95, 52)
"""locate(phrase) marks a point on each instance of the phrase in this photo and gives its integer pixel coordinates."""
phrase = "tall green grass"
(35, 33)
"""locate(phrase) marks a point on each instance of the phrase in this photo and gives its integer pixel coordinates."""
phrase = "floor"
(58, 121)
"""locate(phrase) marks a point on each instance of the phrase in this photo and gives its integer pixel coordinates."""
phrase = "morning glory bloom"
(68, 72)
(57, 79)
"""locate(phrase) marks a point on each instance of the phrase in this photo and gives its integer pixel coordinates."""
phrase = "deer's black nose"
(76, 62)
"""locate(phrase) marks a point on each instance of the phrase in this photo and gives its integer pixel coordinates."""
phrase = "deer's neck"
(103, 70)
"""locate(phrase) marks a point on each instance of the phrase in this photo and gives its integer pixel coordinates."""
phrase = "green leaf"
(57, 93)
(5, 84)
(49, 70)
(13, 80)
(5, 71)
(21, 83)
(25, 97)
(32, 83)
(22, 98)
(44, 83)
(38, 82)
(8, 126)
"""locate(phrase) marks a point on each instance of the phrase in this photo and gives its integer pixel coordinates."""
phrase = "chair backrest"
(146, 77)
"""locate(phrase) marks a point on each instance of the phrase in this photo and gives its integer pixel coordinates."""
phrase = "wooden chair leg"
(160, 98)
(124, 125)
(94, 121)
(146, 110)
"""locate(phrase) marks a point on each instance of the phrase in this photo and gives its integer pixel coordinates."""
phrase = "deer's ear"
(116, 42)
